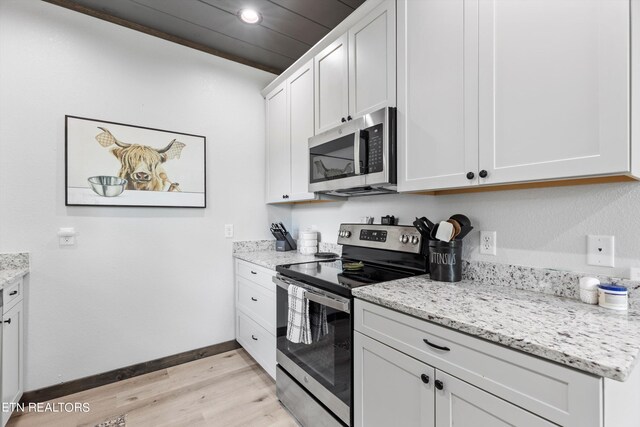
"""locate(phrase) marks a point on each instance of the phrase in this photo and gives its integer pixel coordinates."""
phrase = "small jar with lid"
(613, 297)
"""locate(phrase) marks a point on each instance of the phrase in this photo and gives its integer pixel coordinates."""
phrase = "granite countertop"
(586, 337)
(13, 266)
(263, 253)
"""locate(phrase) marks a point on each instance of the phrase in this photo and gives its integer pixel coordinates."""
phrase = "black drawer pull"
(7, 321)
(253, 299)
(253, 272)
(254, 338)
(12, 293)
(425, 378)
(439, 347)
(439, 385)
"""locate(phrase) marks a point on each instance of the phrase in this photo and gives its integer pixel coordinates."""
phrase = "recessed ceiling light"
(250, 16)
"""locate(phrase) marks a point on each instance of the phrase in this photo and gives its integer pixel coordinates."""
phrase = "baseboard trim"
(92, 381)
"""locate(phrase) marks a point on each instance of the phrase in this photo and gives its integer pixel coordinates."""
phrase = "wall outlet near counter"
(600, 251)
(488, 242)
(228, 231)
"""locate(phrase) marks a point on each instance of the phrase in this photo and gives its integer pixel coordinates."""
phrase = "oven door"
(323, 367)
(336, 159)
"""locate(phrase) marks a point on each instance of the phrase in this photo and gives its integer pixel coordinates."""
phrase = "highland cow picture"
(114, 164)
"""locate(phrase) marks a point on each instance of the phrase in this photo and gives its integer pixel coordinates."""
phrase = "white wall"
(142, 283)
(538, 228)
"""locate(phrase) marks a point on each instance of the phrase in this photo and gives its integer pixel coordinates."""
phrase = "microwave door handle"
(356, 151)
(326, 301)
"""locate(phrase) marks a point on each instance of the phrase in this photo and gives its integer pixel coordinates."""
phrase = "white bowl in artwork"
(107, 186)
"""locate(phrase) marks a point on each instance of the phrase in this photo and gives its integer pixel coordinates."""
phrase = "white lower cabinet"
(256, 313)
(411, 372)
(12, 347)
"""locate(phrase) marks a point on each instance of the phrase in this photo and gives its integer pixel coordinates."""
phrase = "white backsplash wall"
(538, 227)
(141, 283)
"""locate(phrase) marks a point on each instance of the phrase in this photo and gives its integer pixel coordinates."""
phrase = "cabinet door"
(390, 388)
(332, 85)
(554, 88)
(12, 357)
(300, 92)
(372, 61)
(437, 94)
(278, 146)
(463, 405)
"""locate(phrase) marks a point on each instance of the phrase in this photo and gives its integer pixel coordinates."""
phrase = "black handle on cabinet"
(7, 321)
(13, 293)
(425, 378)
(349, 118)
(254, 338)
(253, 272)
(439, 385)
(483, 173)
(470, 175)
(439, 347)
(343, 120)
(253, 299)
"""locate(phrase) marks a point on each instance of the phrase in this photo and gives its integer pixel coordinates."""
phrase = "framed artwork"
(115, 164)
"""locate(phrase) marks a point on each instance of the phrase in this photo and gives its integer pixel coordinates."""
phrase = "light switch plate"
(600, 251)
(228, 231)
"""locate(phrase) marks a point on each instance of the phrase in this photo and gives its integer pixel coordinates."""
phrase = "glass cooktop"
(331, 275)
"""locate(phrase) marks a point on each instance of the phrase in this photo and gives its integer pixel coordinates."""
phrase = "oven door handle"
(343, 306)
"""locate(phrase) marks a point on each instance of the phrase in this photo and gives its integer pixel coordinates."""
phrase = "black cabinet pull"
(439, 347)
(7, 321)
(483, 173)
(439, 385)
(253, 299)
(253, 272)
(343, 120)
(425, 378)
(349, 118)
(254, 338)
(286, 196)
(13, 293)
(470, 175)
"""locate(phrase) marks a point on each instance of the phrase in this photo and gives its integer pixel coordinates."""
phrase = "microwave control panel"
(375, 148)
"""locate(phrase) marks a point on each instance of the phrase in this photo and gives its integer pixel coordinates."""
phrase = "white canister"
(589, 290)
(613, 297)
(307, 250)
(308, 235)
(307, 243)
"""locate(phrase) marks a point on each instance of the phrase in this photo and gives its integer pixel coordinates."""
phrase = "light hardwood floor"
(228, 389)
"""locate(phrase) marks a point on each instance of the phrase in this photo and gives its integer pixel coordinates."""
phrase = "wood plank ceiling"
(287, 30)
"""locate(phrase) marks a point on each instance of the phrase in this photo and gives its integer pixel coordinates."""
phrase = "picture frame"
(122, 165)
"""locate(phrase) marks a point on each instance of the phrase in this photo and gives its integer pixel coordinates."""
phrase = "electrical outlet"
(488, 242)
(228, 231)
(600, 251)
(634, 273)
(67, 236)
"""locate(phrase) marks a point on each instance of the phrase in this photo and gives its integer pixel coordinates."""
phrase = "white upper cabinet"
(300, 92)
(278, 145)
(437, 94)
(332, 85)
(554, 88)
(506, 91)
(372, 61)
(356, 74)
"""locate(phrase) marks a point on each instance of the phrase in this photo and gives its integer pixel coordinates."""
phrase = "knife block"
(283, 246)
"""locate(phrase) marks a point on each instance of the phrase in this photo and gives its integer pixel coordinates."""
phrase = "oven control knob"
(415, 240)
(341, 233)
(404, 238)
(347, 233)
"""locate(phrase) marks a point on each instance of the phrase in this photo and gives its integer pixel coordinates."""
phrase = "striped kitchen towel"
(298, 329)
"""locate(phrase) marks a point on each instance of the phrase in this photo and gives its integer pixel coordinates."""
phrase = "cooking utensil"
(445, 231)
(456, 228)
(326, 255)
(352, 266)
(107, 186)
(464, 230)
(463, 220)
(422, 229)
(428, 223)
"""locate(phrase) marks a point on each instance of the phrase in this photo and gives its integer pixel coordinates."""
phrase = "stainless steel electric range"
(314, 380)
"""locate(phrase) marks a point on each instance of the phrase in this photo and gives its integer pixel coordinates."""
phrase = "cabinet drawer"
(257, 302)
(562, 395)
(12, 294)
(258, 342)
(256, 274)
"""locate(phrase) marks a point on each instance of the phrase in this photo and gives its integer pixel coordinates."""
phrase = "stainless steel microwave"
(356, 158)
